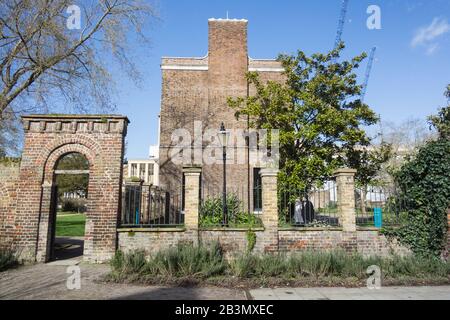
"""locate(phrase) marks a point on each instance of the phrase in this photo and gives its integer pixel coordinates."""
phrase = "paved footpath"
(384, 293)
(48, 281)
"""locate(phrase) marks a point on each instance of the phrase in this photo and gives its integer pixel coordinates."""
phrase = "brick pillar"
(192, 201)
(144, 202)
(45, 225)
(270, 209)
(345, 182)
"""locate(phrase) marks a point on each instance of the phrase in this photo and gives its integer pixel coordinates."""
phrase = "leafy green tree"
(73, 183)
(320, 120)
(441, 121)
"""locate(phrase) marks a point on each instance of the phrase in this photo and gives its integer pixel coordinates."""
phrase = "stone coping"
(341, 171)
(74, 116)
(310, 229)
(367, 229)
(224, 229)
(175, 229)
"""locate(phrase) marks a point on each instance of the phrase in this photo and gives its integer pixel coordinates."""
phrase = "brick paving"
(48, 281)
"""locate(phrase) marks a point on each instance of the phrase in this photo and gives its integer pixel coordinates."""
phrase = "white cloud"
(426, 35)
(432, 48)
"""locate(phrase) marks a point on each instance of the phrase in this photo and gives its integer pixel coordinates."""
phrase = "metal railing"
(378, 207)
(242, 206)
(150, 207)
(313, 207)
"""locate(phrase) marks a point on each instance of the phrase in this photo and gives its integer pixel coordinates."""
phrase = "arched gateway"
(100, 139)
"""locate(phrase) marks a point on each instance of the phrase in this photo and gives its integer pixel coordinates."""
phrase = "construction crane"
(368, 71)
(341, 24)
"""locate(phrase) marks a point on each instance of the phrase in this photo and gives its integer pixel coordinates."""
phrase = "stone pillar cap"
(192, 169)
(345, 171)
(268, 172)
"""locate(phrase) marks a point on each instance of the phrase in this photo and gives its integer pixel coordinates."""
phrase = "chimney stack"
(228, 53)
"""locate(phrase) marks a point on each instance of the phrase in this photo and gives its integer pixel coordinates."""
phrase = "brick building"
(194, 95)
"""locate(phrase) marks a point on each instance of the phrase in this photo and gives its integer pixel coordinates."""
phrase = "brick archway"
(101, 140)
(52, 158)
(46, 221)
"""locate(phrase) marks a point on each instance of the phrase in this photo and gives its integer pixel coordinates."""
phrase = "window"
(150, 173)
(257, 190)
(134, 170)
(142, 171)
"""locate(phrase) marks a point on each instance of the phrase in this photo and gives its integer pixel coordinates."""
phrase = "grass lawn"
(70, 224)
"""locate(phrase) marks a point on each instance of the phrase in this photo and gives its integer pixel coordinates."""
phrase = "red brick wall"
(367, 243)
(9, 173)
(47, 138)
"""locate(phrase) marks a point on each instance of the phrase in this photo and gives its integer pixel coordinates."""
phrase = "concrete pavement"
(384, 293)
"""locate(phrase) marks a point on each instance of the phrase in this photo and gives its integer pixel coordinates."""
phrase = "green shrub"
(211, 213)
(8, 259)
(188, 261)
(73, 205)
(414, 266)
(424, 184)
(243, 266)
(251, 240)
(180, 261)
(270, 265)
(133, 262)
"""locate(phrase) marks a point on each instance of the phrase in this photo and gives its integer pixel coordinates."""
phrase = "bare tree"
(406, 136)
(44, 64)
(9, 134)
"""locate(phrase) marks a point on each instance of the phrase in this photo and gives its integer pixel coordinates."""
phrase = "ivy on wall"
(424, 183)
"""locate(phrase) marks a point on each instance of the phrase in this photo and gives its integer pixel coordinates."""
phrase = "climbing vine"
(251, 240)
(424, 183)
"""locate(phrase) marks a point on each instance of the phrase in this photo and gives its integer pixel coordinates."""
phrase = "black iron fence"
(310, 207)
(150, 207)
(379, 206)
(242, 206)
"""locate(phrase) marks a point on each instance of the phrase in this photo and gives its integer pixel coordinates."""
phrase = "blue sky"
(410, 72)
